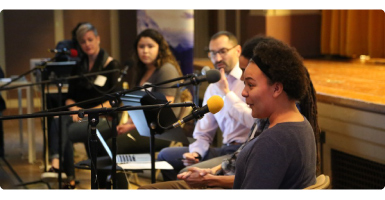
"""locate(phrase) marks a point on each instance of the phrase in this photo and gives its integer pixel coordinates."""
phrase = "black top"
(84, 88)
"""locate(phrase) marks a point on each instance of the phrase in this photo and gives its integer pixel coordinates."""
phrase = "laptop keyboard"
(125, 158)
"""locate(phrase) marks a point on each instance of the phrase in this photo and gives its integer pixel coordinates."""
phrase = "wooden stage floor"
(351, 83)
(348, 82)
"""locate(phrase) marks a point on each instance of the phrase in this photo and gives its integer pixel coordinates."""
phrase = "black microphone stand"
(59, 84)
(114, 102)
(43, 102)
(193, 81)
(96, 120)
(93, 121)
(3, 87)
(152, 126)
(196, 94)
(103, 98)
(121, 93)
(40, 67)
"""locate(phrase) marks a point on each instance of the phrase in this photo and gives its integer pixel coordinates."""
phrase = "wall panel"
(27, 34)
(99, 18)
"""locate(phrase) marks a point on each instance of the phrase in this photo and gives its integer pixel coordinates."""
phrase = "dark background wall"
(27, 34)
(100, 19)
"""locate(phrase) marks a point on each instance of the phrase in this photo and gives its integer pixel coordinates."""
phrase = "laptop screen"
(141, 157)
(141, 118)
(104, 144)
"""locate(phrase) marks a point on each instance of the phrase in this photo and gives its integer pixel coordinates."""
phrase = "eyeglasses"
(222, 52)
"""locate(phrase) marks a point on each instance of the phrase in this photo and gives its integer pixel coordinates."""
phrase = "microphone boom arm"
(68, 78)
(121, 93)
(82, 112)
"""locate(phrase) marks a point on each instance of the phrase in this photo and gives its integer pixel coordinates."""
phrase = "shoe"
(52, 175)
(67, 185)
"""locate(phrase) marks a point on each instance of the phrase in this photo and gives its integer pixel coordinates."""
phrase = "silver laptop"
(133, 161)
(123, 158)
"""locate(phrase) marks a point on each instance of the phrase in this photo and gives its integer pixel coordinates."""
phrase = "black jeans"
(73, 132)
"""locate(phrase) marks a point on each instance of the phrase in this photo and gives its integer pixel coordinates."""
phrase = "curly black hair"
(284, 65)
(250, 44)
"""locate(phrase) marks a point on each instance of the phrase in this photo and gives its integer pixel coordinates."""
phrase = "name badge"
(100, 80)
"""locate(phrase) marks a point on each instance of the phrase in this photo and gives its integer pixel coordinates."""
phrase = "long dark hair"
(164, 56)
(308, 107)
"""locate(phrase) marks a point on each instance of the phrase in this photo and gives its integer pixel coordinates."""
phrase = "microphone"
(70, 52)
(124, 71)
(205, 69)
(212, 76)
(214, 105)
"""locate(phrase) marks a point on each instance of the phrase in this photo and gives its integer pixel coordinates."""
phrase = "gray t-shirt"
(281, 157)
(164, 73)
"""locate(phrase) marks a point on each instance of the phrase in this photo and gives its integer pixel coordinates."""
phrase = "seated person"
(234, 120)
(244, 58)
(95, 59)
(284, 154)
(154, 63)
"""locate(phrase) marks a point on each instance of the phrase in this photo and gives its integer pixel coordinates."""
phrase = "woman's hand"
(125, 128)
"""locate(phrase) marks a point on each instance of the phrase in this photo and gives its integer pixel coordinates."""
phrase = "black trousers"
(74, 132)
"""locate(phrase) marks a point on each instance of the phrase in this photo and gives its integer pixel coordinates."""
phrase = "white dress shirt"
(234, 119)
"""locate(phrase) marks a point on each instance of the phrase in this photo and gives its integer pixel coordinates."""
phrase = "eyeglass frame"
(216, 52)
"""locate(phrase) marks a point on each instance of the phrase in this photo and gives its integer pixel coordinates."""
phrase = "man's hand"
(190, 158)
(223, 84)
(195, 177)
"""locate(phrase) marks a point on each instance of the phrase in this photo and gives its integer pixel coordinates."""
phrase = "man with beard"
(234, 119)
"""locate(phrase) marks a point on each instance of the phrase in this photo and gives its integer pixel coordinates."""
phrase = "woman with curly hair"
(284, 156)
